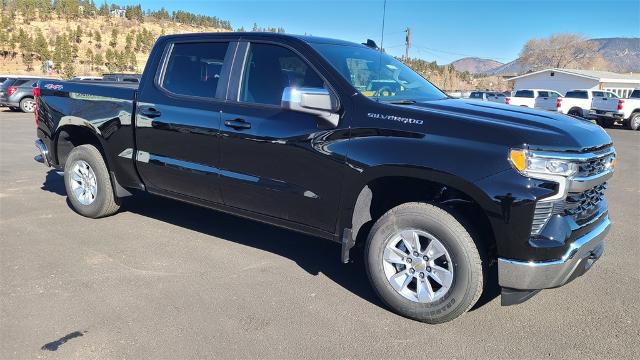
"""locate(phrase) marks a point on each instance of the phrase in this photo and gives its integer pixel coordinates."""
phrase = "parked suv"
(17, 94)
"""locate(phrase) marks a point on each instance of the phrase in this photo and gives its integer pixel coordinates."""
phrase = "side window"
(554, 94)
(20, 82)
(269, 69)
(598, 94)
(524, 93)
(193, 69)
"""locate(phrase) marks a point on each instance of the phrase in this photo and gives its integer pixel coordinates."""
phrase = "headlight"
(532, 166)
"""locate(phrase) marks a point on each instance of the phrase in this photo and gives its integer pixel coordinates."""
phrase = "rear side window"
(543, 94)
(598, 94)
(577, 95)
(20, 82)
(269, 69)
(193, 69)
(610, 95)
(635, 94)
(475, 95)
(524, 93)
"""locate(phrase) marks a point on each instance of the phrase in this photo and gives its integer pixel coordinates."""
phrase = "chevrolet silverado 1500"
(290, 130)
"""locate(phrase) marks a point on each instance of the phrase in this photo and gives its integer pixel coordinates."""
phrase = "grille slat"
(583, 205)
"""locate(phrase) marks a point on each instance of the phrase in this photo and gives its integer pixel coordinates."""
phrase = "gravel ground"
(165, 280)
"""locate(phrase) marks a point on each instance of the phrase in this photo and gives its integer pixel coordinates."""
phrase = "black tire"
(634, 121)
(27, 105)
(576, 112)
(468, 274)
(104, 203)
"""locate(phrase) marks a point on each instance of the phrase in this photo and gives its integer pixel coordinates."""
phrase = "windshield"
(378, 75)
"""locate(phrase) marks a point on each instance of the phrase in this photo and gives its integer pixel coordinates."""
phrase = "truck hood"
(538, 129)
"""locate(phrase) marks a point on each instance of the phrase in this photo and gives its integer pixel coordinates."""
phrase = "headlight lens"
(529, 165)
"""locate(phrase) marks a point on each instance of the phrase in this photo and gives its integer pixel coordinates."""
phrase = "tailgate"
(605, 104)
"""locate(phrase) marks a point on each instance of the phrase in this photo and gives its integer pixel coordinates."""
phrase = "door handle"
(237, 124)
(150, 113)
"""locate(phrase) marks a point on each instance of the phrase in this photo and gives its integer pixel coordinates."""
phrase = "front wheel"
(423, 263)
(88, 184)
(605, 122)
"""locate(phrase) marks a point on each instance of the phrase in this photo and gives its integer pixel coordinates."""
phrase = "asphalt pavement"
(166, 280)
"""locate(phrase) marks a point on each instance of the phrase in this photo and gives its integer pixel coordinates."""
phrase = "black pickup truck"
(343, 142)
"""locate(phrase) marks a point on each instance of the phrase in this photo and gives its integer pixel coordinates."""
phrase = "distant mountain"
(475, 65)
(623, 54)
(510, 68)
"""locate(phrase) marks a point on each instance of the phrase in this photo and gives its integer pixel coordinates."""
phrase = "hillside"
(81, 39)
(621, 54)
(475, 65)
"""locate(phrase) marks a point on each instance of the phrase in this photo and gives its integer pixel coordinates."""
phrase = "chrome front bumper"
(44, 153)
(579, 258)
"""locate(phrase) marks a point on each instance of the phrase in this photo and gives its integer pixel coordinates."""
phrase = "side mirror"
(315, 101)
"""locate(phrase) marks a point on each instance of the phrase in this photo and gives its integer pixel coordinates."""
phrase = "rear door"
(178, 119)
(274, 161)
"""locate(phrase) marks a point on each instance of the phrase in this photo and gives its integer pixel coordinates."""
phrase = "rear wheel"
(575, 112)
(423, 263)
(634, 121)
(27, 105)
(88, 184)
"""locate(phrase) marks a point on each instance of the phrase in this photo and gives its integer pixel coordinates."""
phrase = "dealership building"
(563, 80)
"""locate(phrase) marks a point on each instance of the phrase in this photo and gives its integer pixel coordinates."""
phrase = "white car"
(608, 110)
(535, 98)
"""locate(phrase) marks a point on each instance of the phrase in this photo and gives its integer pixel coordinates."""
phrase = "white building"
(563, 80)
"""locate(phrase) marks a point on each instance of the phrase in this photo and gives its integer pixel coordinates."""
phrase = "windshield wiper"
(403, 102)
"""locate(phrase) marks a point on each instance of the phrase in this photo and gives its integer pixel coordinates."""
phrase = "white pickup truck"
(607, 110)
(535, 98)
(579, 102)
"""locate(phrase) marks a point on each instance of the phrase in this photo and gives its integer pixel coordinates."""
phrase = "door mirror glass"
(315, 101)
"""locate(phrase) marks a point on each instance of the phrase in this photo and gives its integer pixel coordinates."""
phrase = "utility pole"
(407, 43)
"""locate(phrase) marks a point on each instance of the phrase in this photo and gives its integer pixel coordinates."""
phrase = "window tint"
(194, 69)
(610, 95)
(20, 82)
(577, 95)
(598, 94)
(524, 93)
(475, 95)
(543, 94)
(635, 94)
(269, 69)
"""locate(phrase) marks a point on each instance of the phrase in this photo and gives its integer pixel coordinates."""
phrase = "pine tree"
(114, 38)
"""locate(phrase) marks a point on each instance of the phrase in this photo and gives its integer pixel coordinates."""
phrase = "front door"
(274, 161)
(178, 121)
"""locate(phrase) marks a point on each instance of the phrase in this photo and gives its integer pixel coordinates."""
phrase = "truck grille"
(581, 206)
(593, 166)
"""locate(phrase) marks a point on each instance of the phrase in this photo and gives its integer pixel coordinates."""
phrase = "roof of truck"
(269, 35)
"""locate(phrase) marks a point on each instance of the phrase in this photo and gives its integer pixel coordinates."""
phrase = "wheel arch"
(70, 134)
(385, 187)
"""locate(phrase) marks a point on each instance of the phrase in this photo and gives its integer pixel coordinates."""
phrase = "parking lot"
(166, 280)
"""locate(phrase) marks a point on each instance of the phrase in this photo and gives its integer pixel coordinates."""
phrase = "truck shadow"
(312, 254)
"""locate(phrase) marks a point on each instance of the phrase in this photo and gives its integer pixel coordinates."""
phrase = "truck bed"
(103, 110)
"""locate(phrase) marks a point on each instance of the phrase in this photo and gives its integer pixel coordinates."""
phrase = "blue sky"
(441, 30)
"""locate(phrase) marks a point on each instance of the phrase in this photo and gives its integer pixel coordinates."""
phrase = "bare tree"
(562, 50)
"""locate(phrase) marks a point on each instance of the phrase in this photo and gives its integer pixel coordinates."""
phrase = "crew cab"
(535, 98)
(341, 141)
(609, 109)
